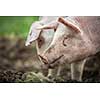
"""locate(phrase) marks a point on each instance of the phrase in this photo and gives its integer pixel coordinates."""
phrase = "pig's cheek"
(50, 52)
(67, 53)
(61, 61)
(52, 56)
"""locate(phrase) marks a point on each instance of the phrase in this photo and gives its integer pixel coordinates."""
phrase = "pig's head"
(42, 38)
(69, 44)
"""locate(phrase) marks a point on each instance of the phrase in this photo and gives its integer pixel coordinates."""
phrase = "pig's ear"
(52, 25)
(33, 34)
(69, 24)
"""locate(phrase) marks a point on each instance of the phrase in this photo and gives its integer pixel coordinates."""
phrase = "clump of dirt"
(10, 76)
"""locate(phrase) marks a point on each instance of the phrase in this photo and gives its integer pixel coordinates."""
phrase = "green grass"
(16, 25)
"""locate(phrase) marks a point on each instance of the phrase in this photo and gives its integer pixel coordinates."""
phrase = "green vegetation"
(16, 25)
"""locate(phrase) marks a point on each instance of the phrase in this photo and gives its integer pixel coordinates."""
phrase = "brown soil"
(15, 59)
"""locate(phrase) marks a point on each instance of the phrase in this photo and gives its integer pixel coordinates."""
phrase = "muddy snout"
(46, 65)
(51, 64)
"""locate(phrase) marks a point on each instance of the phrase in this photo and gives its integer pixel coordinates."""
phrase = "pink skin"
(73, 43)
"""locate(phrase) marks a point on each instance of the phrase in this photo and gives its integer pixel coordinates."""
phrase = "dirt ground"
(20, 64)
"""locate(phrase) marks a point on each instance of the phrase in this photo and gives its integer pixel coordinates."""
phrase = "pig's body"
(75, 39)
(89, 35)
(90, 27)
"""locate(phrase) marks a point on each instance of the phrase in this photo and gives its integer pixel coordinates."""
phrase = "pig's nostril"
(43, 59)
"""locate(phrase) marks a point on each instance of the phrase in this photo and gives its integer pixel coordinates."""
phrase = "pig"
(76, 39)
(42, 38)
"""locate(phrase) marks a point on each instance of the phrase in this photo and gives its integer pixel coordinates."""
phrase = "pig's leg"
(77, 70)
(59, 71)
(50, 73)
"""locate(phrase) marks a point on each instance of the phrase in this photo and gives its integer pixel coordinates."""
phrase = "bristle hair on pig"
(76, 38)
(43, 38)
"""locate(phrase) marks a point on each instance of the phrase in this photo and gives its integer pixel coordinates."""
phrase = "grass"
(16, 25)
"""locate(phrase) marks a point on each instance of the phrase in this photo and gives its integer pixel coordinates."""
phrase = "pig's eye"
(41, 41)
(65, 38)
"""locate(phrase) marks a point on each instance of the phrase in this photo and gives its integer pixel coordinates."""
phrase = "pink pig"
(76, 38)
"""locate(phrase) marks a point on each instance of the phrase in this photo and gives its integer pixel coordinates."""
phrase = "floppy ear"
(52, 25)
(33, 33)
(69, 24)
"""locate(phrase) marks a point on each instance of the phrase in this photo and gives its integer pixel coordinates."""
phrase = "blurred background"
(16, 25)
(15, 58)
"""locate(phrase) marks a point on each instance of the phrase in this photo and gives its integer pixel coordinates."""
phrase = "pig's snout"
(44, 60)
(46, 63)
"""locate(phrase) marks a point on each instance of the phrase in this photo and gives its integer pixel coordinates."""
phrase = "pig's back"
(91, 28)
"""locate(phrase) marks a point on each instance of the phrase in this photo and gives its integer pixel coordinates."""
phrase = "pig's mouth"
(54, 62)
(56, 59)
